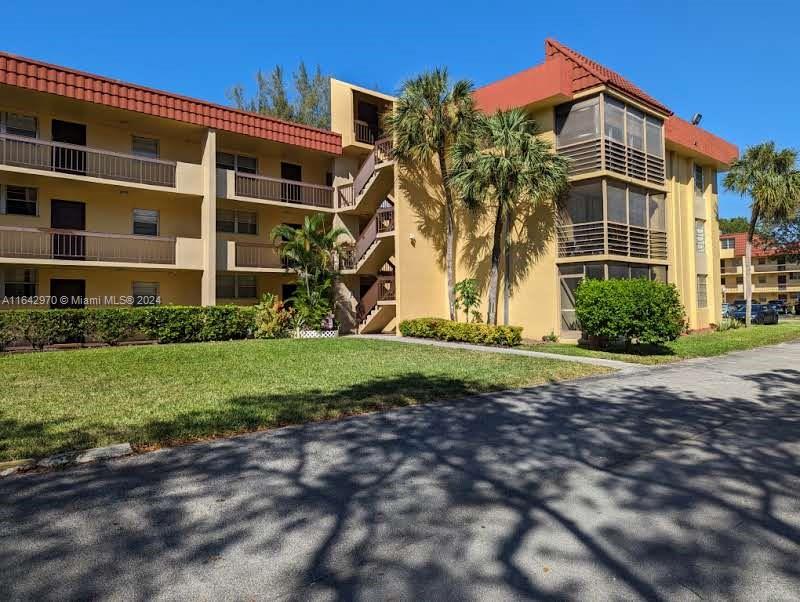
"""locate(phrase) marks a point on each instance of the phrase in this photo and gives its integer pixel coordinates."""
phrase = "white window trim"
(4, 201)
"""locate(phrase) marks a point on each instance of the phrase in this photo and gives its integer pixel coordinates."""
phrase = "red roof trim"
(698, 140)
(760, 247)
(548, 81)
(62, 81)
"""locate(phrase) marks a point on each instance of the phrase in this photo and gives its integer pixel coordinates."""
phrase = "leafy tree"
(430, 116)
(467, 297)
(772, 180)
(309, 250)
(507, 165)
(733, 225)
(782, 238)
(310, 103)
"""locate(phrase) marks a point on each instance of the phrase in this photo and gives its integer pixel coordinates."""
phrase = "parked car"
(726, 310)
(779, 305)
(759, 313)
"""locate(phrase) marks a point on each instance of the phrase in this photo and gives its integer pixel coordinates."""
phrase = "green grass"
(705, 344)
(157, 395)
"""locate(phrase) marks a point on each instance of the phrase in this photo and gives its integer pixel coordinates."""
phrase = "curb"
(67, 459)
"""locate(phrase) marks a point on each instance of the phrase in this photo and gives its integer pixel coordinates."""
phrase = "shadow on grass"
(626, 490)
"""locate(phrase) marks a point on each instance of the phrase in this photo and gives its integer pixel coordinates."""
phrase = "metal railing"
(79, 245)
(599, 153)
(383, 289)
(365, 132)
(33, 153)
(381, 223)
(349, 193)
(610, 238)
(285, 191)
(258, 255)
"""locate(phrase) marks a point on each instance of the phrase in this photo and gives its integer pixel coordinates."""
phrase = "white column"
(208, 220)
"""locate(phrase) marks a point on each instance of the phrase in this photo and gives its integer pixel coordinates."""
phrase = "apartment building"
(772, 276)
(115, 191)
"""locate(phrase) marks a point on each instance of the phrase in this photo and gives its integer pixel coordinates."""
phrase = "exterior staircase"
(370, 185)
(377, 306)
(373, 247)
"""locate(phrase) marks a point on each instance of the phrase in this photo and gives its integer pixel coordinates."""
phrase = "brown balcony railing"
(348, 194)
(383, 289)
(33, 153)
(381, 223)
(285, 191)
(79, 245)
(257, 255)
(610, 238)
(604, 153)
(365, 132)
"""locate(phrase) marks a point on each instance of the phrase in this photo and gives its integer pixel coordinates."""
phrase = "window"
(637, 210)
(618, 270)
(635, 126)
(236, 286)
(702, 291)
(615, 120)
(585, 203)
(242, 163)
(146, 293)
(145, 222)
(640, 271)
(617, 203)
(578, 122)
(237, 222)
(19, 200)
(699, 236)
(19, 125)
(762, 279)
(655, 145)
(699, 182)
(658, 212)
(18, 282)
(145, 147)
(658, 273)
(728, 243)
(794, 276)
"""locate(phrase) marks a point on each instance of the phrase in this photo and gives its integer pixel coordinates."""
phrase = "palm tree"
(430, 115)
(772, 180)
(507, 164)
(309, 250)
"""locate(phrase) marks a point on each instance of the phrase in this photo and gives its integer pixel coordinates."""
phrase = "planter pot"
(314, 334)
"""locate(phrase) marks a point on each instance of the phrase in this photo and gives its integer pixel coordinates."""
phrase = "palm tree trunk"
(507, 269)
(450, 219)
(747, 277)
(497, 243)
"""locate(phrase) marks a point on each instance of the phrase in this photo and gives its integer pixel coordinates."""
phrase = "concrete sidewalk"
(594, 361)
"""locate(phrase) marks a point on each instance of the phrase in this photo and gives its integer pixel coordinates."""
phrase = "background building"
(772, 275)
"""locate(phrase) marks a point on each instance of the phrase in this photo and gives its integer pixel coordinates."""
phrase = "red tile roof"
(586, 74)
(566, 72)
(62, 81)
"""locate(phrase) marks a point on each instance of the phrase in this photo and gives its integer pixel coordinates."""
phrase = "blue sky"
(734, 61)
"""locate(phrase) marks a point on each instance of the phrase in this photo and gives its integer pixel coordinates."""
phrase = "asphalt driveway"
(674, 483)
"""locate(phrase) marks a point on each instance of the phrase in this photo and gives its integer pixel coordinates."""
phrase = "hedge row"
(165, 324)
(447, 330)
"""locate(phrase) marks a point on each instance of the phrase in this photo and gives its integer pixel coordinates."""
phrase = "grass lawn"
(705, 344)
(157, 395)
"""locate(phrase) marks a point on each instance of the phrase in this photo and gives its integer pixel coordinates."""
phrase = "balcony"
(364, 132)
(604, 154)
(282, 191)
(258, 255)
(38, 244)
(611, 238)
(380, 226)
(370, 176)
(32, 153)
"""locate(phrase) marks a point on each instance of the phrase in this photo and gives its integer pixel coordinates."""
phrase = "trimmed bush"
(167, 324)
(447, 330)
(272, 318)
(111, 326)
(636, 311)
(41, 327)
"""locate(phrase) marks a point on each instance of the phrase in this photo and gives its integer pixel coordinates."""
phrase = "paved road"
(678, 483)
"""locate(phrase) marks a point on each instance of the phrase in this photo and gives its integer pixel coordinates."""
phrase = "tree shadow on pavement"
(600, 489)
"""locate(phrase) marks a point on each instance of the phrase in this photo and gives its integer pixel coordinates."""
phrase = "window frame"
(4, 200)
(699, 191)
(135, 138)
(4, 124)
(699, 235)
(236, 160)
(237, 222)
(702, 299)
(237, 286)
(4, 281)
(156, 294)
(150, 211)
(728, 243)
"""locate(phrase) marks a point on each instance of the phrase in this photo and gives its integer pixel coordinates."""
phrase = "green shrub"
(446, 330)
(227, 323)
(113, 325)
(7, 331)
(42, 327)
(636, 311)
(272, 319)
(728, 324)
(177, 324)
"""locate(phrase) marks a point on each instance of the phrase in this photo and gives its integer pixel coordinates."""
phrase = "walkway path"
(595, 361)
